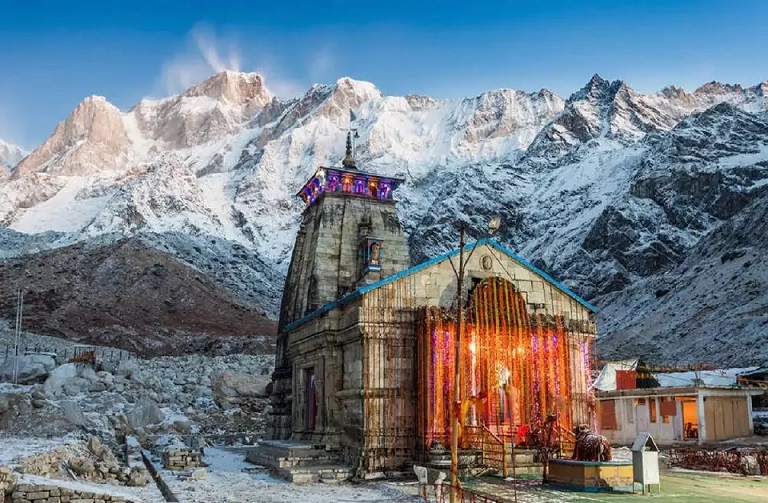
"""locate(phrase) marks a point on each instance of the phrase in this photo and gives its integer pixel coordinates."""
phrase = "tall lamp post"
(493, 226)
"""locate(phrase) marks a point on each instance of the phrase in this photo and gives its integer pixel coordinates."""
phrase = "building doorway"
(690, 418)
(310, 399)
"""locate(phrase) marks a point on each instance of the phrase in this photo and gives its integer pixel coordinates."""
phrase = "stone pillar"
(702, 416)
(281, 417)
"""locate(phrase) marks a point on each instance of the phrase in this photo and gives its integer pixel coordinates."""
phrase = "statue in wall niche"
(590, 446)
(375, 254)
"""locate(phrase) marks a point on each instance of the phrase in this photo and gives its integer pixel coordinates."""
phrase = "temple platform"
(300, 462)
(472, 464)
(591, 476)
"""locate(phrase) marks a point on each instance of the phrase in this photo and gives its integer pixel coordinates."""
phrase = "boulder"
(144, 413)
(54, 385)
(72, 412)
(229, 388)
(749, 465)
(30, 369)
(127, 369)
(9, 401)
(82, 466)
(70, 379)
(97, 386)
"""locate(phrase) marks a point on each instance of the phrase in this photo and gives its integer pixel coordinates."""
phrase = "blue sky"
(54, 53)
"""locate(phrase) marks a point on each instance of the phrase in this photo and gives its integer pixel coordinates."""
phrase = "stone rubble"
(143, 397)
(93, 461)
(7, 482)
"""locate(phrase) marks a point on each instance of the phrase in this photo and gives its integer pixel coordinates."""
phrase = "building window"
(652, 409)
(608, 415)
(667, 409)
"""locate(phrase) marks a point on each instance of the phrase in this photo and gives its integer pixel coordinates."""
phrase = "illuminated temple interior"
(366, 343)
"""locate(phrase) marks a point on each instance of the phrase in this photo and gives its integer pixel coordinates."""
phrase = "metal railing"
(64, 355)
(494, 447)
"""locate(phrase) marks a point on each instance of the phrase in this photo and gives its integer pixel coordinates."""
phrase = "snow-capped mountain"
(10, 155)
(606, 189)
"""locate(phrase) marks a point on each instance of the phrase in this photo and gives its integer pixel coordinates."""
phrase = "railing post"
(504, 458)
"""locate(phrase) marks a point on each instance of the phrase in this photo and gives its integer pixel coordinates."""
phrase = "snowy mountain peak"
(715, 87)
(361, 88)
(92, 138)
(598, 89)
(674, 92)
(235, 87)
(10, 155)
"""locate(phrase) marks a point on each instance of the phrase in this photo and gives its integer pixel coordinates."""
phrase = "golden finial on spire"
(349, 161)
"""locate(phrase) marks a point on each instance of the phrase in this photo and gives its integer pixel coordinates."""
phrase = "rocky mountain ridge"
(605, 189)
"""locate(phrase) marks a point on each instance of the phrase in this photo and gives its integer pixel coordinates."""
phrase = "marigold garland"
(516, 368)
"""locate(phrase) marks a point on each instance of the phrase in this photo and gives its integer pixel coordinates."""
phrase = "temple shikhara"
(366, 349)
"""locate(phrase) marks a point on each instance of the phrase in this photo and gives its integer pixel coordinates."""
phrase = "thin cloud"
(208, 55)
(279, 85)
(322, 65)
(320, 69)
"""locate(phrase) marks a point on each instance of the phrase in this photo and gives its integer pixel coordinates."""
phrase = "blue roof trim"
(434, 260)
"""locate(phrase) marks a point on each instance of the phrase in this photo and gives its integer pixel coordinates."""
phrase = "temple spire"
(349, 161)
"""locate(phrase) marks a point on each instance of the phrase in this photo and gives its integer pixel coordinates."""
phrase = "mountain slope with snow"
(10, 155)
(605, 190)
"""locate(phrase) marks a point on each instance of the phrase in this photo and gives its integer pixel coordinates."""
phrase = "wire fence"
(727, 460)
(64, 355)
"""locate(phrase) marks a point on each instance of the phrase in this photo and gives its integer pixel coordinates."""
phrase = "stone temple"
(364, 371)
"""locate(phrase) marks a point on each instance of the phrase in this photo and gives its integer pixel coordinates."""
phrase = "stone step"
(259, 459)
(320, 473)
(277, 451)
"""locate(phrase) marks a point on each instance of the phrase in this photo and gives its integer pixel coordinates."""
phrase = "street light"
(493, 226)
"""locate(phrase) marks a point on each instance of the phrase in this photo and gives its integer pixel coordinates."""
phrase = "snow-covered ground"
(226, 482)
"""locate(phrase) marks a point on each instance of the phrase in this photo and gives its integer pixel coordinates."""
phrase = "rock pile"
(7, 481)
(93, 462)
(189, 394)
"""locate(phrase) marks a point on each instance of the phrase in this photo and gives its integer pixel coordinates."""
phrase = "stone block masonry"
(176, 459)
(23, 492)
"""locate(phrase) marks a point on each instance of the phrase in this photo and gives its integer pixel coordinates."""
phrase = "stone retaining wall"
(33, 493)
(25, 492)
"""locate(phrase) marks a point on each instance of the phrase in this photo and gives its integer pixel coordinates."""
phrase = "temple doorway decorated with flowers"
(516, 368)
